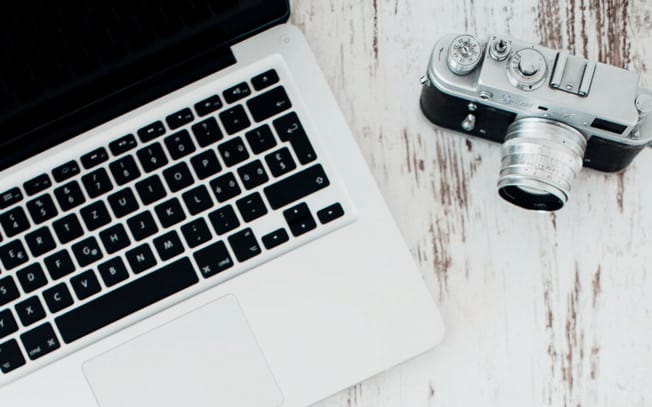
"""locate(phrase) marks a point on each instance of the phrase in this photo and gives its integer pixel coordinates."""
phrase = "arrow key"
(275, 238)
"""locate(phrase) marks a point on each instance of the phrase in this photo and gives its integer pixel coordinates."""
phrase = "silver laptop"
(185, 218)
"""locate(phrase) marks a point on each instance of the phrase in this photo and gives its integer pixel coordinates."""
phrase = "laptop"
(185, 218)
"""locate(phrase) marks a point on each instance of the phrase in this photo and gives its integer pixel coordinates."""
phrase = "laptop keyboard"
(153, 213)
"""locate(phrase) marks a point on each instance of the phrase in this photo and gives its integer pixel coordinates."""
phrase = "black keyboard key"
(168, 245)
(38, 184)
(114, 238)
(65, 171)
(40, 341)
(97, 183)
(206, 164)
(269, 104)
(124, 170)
(13, 254)
(234, 119)
(87, 251)
(299, 219)
(94, 158)
(296, 186)
(57, 297)
(14, 221)
(275, 238)
(152, 157)
(179, 118)
(142, 225)
(141, 258)
(179, 144)
(10, 197)
(330, 213)
(225, 187)
(170, 212)
(207, 132)
(95, 215)
(125, 300)
(208, 105)
(237, 92)
(197, 200)
(151, 131)
(40, 241)
(260, 139)
(113, 271)
(213, 259)
(10, 356)
(302, 148)
(85, 284)
(68, 228)
(233, 151)
(7, 325)
(42, 209)
(224, 220)
(178, 177)
(123, 202)
(8, 290)
(30, 311)
(251, 207)
(32, 278)
(244, 245)
(69, 195)
(123, 144)
(253, 174)
(280, 162)
(289, 128)
(196, 232)
(150, 189)
(265, 79)
(59, 264)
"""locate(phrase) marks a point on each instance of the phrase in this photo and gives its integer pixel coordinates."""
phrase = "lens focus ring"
(540, 159)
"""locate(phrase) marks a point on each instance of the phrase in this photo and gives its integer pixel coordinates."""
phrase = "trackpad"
(208, 357)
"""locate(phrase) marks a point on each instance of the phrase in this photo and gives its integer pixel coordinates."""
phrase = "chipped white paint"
(541, 309)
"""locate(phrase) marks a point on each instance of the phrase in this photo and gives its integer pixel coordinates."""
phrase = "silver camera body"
(553, 112)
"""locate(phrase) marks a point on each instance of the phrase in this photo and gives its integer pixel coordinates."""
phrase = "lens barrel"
(540, 159)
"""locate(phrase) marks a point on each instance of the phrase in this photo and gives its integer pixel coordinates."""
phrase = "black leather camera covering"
(449, 111)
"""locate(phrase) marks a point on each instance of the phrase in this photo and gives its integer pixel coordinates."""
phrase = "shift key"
(296, 187)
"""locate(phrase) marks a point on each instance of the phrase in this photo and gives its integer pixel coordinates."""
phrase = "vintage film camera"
(552, 111)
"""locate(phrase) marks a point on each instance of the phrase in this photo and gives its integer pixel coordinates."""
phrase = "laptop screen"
(60, 56)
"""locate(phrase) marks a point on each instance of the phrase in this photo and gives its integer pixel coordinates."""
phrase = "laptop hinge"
(128, 98)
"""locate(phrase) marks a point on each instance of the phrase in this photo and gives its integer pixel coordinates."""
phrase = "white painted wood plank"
(540, 309)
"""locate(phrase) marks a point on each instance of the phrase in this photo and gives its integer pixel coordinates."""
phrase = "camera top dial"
(527, 69)
(464, 54)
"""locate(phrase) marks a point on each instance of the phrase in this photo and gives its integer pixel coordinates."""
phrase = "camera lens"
(540, 159)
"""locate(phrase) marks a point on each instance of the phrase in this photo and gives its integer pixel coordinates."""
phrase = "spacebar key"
(296, 187)
(126, 300)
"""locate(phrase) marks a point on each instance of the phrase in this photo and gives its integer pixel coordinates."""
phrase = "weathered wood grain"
(541, 309)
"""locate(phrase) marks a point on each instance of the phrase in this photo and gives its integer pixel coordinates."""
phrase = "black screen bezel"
(59, 117)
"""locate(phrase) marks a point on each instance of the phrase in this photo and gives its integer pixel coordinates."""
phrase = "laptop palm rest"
(207, 357)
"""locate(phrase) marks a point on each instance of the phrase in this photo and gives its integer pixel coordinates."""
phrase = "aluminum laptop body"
(266, 270)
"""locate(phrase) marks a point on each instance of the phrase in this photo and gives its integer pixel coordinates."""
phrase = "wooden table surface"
(540, 309)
